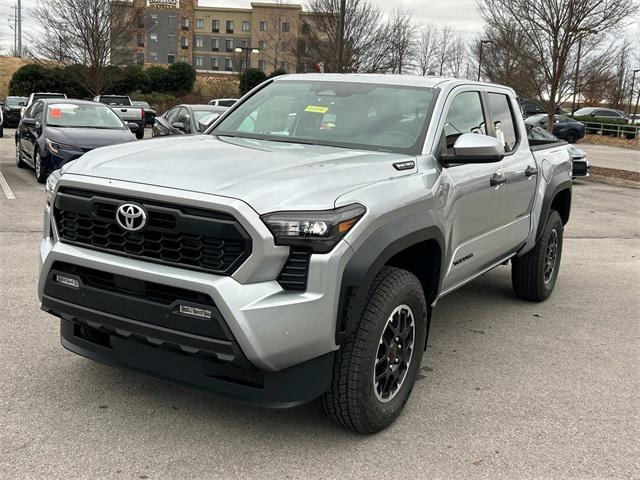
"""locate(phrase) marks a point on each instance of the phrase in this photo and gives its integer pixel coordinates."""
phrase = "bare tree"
(279, 34)
(445, 38)
(552, 30)
(83, 32)
(366, 45)
(427, 50)
(402, 40)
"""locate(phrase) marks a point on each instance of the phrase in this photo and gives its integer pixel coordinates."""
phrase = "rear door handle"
(530, 171)
(497, 179)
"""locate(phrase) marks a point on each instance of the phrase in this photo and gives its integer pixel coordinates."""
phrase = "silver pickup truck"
(126, 110)
(296, 250)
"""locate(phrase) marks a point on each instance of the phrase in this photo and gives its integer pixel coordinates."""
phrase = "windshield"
(583, 111)
(86, 116)
(344, 114)
(15, 101)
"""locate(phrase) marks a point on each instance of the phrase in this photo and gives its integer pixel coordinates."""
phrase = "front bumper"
(273, 329)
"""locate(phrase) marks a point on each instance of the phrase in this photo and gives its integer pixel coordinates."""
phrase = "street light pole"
(633, 83)
(575, 80)
(482, 43)
(343, 8)
(246, 51)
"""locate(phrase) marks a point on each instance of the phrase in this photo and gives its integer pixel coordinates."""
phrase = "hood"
(269, 176)
(88, 138)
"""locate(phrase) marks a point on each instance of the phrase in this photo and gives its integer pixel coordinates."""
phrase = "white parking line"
(6, 188)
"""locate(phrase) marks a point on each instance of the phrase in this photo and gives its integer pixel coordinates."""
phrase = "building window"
(140, 59)
(215, 45)
(141, 40)
(199, 42)
(171, 59)
(263, 26)
(246, 26)
(214, 63)
(215, 26)
(172, 20)
(262, 65)
(284, 46)
(285, 26)
(262, 45)
(228, 44)
(198, 61)
(153, 19)
(185, 23)
(229, 26)
(140, 21)
(153, 57)
(199, 23)
(185, 42)
(244, 43)
(228, 66)
(153, 38)
(284, 66)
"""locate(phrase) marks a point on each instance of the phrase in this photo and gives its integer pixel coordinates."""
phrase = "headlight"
(318, 230)
(55, 147)
(50, 186)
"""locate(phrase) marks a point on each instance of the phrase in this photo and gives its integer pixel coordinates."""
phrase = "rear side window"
(503, 120)
(465, 115)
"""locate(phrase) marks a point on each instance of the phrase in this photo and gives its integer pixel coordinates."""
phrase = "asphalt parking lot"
(508, 389)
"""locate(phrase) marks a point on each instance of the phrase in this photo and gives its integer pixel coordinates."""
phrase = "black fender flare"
(551, 192)
(368, 260)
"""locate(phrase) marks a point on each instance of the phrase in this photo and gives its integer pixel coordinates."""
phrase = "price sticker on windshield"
(316, 109)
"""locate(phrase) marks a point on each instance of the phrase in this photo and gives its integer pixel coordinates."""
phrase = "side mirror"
(178, 126)
(474, 148)
(29, 122)
(21, 104)
(133, 127)
(206, 122)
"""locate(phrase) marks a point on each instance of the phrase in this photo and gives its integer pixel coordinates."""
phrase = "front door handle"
(497, 179)
(530, 171)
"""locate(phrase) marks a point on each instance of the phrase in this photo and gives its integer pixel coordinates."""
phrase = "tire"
(19, 161)
(140, 133)
(40, 169)
(357, 401)
(534, 275)
(572, 136)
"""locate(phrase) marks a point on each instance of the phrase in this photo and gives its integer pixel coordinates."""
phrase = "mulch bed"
(613, 172)
(611, 141)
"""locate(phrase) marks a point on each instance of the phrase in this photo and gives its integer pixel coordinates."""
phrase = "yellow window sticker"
(316, 109)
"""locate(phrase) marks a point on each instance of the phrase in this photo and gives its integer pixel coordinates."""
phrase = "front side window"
(503, 120)
(67, 115)
(352, 115)
(465, 115)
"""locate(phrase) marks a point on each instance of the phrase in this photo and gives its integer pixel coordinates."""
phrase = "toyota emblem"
(131, 217)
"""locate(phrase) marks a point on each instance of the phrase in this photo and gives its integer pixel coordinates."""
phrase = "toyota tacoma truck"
(297, 248)
(126, 110)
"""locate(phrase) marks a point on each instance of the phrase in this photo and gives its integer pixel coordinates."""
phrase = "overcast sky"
(460, 15)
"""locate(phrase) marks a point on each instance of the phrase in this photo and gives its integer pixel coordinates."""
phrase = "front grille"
(580, 169)
(188, 237)
(293, 276)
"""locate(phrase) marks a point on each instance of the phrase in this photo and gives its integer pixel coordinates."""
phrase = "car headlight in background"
(50, 186)
(55, 147)
(319, 230)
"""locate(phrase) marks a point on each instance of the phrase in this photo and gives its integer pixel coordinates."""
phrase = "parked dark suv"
(11, 107)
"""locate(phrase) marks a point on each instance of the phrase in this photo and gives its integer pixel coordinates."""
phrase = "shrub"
(251, 78)
(128, 80)
(609, 126)
(29, 78)
(216, 87)
(180, 78)
(160, 101)
(277, 73)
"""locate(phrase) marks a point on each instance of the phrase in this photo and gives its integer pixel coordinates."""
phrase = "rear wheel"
(377, 365)
(19, 161)
(534, 275)
(572, 136)
(140, 133)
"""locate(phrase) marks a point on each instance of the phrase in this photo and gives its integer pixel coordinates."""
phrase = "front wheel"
(140, 133)
(534, 275)
(377, 365)
(41, 170)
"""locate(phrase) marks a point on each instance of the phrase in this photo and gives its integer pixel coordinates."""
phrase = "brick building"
(169, 31)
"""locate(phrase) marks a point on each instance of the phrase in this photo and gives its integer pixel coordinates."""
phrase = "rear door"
(518, 167)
